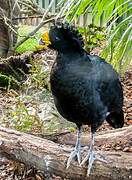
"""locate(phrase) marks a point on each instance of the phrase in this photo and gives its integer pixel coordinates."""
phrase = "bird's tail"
(116, 119)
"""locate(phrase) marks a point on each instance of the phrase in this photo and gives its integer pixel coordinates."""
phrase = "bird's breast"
(73, 95)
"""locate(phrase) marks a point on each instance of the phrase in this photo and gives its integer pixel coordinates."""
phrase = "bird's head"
(62, 37)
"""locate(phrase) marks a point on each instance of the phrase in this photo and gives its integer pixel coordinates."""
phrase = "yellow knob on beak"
(44, 41)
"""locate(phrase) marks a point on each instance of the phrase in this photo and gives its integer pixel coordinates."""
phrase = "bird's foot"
(74, 154)
(90, 158)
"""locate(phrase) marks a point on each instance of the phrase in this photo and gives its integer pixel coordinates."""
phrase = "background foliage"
(115, 16)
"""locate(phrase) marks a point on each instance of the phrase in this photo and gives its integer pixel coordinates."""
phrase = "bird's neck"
(70, 49)
(68, 56)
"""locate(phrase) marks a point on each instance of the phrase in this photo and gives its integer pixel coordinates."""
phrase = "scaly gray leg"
(91, 155)
(77, 150)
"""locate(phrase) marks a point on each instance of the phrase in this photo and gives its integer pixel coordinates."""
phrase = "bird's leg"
(91, 155)
(77, 150)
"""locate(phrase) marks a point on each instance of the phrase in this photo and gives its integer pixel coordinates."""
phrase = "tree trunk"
(4, 40)
(51, 157)
(7, 36)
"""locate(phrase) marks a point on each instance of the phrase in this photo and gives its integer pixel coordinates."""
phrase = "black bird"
(86, 89)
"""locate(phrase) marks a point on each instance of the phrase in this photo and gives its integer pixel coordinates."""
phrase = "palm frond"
(115, 16)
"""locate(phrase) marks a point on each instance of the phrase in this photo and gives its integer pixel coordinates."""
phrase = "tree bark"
(7, 37)
(113, 137)
(51, 157)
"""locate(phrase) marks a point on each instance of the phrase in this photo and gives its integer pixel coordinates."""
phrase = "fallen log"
(117, 139)
(112, 138)
(51, 157)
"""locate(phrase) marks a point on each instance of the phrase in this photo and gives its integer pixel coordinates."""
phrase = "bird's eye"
(57, 38)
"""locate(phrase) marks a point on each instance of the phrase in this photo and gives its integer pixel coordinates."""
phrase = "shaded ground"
(32, 110)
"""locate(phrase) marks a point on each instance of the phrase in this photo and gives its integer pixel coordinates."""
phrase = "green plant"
(8, 82)
(116, 16)
(32, 43)
(93, 35)
(23, 118)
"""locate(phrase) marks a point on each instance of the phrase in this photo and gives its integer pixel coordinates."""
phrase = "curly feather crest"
(70, 32)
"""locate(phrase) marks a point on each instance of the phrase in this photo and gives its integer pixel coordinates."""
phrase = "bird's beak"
(44, 41)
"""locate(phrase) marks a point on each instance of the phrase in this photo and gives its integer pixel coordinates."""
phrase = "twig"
(38, 27)
(47, 10)
(28, 6)
(33, 32)
(14, 6)
(7, 24)
(28, 17)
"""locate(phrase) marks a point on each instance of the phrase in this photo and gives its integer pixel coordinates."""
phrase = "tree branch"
(39, 25)
(34, 31)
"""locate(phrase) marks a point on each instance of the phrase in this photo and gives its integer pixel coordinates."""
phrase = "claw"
(101, 158)
(85, 160)
(75, 153)
(91, 157)
(91, 160)
(79, 158)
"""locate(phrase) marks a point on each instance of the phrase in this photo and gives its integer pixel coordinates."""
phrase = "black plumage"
(86, 89)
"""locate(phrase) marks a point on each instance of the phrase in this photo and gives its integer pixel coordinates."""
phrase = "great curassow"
(86, 89)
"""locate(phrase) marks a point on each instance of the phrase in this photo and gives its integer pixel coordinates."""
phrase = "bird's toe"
(90, 158)
(74, 154)
(85, 160)
(101, 158)
(90, 162)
